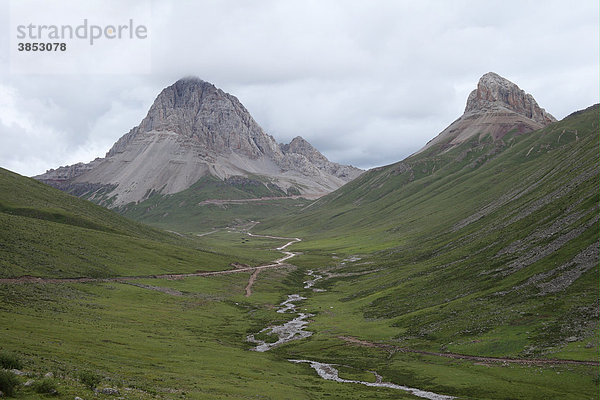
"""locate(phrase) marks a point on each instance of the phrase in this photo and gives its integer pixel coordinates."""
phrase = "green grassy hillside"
(20, 196)
(48, 233)
(490, 249)
(193, 209)
(444, 188)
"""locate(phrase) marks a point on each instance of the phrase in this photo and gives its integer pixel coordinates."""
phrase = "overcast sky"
(366, 82)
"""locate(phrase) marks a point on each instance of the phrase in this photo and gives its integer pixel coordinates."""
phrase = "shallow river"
(330, 373)
(294, 330)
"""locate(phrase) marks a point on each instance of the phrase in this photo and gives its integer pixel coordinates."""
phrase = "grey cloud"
(366, 82)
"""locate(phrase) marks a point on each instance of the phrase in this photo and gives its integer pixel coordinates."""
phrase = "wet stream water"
(311, 282)
(330, 373)
(291, 330)
(295, 330)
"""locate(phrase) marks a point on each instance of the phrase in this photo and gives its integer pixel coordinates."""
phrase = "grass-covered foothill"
(208, 204)
(47, 233)
(480, 251)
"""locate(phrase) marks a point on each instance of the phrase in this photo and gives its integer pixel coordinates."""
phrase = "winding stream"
(294, 330)
(311, 282)
(330, 373)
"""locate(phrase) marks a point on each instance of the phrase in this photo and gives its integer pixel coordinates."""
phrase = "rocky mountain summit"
(495, 93)
(495, 108)
(301, 155)
(194, 129)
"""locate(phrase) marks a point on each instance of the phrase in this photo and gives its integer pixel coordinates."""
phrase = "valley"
(178, 318)
(468, 270)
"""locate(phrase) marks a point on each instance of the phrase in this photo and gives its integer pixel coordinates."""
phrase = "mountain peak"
(298, 139)
(197, 110)
(193, 129)
(190, 79)
(185, 89)
(299, 145)
(495, 93)
(494, 109)
(186, 93)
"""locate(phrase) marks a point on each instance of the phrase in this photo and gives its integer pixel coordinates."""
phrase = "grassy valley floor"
(186, 338)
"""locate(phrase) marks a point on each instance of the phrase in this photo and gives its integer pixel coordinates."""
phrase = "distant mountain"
(194, 130)
(494, 109)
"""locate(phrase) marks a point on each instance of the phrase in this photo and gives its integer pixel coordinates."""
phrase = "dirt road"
(523, 361)
(244, 201)
(251, 282)
(277, 263)
(280, 262)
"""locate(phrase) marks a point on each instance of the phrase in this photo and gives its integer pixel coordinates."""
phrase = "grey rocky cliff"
(300, 146)
(214, 119)
(496, 107)
(495, 93)
(301, 155)
(194, 129)
(70, 172)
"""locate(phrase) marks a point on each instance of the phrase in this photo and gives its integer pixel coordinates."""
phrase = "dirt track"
(33, 279)
(523, 361)
(277, 263)
(248, 290)
(244, 201)
(251, 282)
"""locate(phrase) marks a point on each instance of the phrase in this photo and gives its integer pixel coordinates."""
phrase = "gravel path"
(524, 361)
(280, 262)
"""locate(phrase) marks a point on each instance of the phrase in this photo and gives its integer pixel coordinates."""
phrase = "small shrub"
(10, 361)
(8, 383)
(45, 386)
(89, 379)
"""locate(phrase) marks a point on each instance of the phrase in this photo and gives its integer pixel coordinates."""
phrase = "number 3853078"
(42, 46)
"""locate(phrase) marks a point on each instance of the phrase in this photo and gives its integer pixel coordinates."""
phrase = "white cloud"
(366, 82)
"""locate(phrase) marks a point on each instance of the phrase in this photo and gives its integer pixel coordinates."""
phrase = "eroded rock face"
(216, 120)
(194, 129)
(70, 171)
(495, 93)
(302, 156)
(494, 109)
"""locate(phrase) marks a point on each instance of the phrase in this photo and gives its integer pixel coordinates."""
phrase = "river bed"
(295, 330)
(291, 330)
(330, 373)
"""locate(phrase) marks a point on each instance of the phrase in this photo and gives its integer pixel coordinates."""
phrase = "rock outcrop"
(194, 129)
(70, 171)
(494, 109)
(302, 156)
(495, 93)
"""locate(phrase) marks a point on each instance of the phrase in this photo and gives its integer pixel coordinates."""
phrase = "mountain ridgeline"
(496, 107)
(194, 130)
